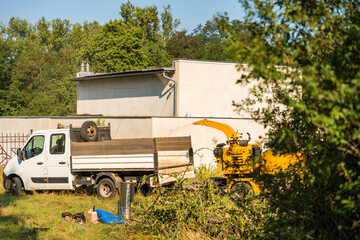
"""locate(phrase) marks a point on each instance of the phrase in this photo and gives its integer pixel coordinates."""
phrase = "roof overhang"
(99, 76)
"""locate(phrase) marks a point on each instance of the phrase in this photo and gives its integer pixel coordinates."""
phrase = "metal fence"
(9, 143)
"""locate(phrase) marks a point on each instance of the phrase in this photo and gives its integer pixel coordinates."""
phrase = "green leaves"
(317, 89)
(118, 47)
(40, 60)
(175, 211)
(133, 42)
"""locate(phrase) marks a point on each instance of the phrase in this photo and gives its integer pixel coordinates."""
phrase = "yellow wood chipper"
(238, 159)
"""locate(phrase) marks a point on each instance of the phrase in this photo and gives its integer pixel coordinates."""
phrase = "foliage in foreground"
(206, 213)
(308, 81)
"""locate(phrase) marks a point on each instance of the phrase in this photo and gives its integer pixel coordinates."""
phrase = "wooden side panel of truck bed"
(143, 154)
(113, 147)
(173, 152)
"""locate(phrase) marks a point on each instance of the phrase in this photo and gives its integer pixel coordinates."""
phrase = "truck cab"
(42, 164)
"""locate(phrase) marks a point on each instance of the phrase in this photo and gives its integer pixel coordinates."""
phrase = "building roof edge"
(123, 74)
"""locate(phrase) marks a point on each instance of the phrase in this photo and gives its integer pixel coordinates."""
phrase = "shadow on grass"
(88, 191)
(13, 226)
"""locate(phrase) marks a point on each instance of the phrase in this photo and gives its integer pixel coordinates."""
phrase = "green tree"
(5, 72)
(157, 56)
(208, 42)
(60, 31)
(40, 59)
(132, 42)
(81, 38)
(211, 38)
(182, 45)
(118, 47)
(18, 29)
(168, 24)
(308, 76)
(145, 18)
(42, 27)
(40, 85)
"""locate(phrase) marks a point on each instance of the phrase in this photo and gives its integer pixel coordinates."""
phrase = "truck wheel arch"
(106, 188)
(116, 179)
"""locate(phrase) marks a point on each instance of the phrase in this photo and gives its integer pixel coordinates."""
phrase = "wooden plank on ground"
(113, 147)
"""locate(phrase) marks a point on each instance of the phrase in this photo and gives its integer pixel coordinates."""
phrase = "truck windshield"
(34, 147)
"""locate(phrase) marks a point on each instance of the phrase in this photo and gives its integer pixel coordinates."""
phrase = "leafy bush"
(207, 171)
(178, 211)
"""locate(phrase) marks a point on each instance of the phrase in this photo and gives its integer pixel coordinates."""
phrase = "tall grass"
(17, 214)
(166, 213)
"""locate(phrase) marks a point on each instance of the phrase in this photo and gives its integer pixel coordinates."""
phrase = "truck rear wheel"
(106, 188)
(89, 131)
(16, 186)
(240, 190)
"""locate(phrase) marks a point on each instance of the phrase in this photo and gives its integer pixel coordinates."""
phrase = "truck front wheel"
(16, 186)
(106, 188)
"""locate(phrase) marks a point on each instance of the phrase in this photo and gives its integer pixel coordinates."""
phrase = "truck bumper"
(6, 182)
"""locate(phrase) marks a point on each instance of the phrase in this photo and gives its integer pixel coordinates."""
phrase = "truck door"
(32, 169)
(58, 162)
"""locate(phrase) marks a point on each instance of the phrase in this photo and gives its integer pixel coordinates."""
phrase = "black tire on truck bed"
(89, 131)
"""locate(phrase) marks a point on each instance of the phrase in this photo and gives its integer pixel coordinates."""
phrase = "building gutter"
(175, 87)
(97, 76)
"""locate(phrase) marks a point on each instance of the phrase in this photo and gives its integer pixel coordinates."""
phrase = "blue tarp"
(108, 217)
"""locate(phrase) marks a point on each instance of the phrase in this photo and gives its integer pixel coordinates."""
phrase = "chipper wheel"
(240, 190)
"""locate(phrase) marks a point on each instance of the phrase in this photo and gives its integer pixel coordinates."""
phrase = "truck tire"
(106, 188)
(240, 190)
(89, 131)
(16, 186)
(7, 184)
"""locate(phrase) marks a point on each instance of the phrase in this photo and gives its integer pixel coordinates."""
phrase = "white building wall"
(208, 89)
(203, 89)
(147, 95)
(120, 127)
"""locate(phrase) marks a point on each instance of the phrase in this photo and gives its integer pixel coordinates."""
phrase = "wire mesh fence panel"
(9, 143)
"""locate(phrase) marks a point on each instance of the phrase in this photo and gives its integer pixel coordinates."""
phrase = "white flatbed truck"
(59, 159)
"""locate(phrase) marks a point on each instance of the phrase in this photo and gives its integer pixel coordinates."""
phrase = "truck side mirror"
(20, 154)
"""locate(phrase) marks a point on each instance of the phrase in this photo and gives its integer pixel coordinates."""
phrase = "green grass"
(45, 209)
(168, 213)
(19, 213)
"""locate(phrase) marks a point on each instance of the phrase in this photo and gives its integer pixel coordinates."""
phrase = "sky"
(189, 12)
